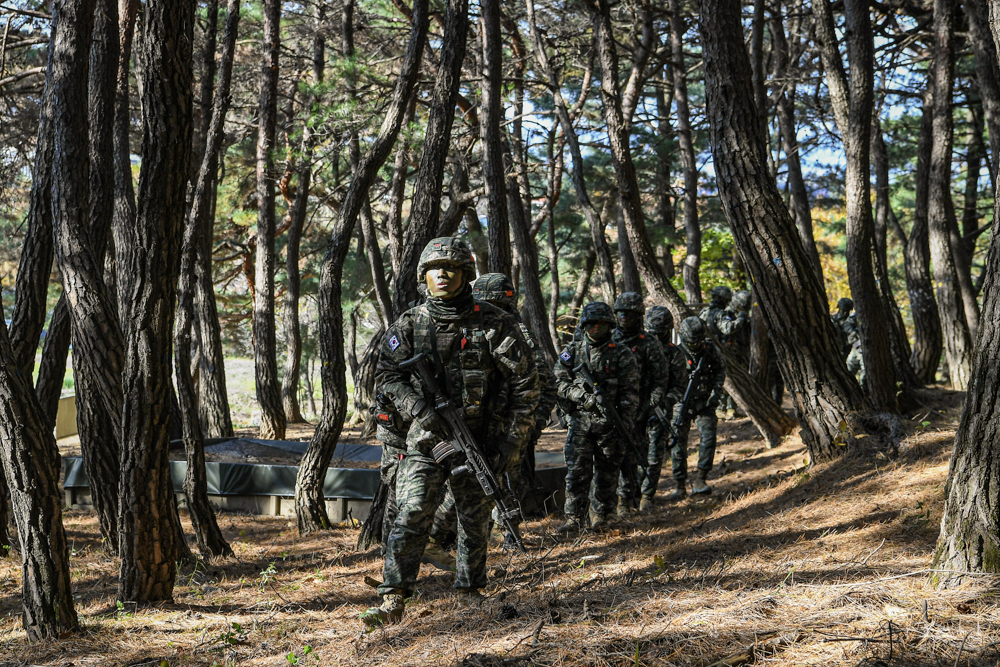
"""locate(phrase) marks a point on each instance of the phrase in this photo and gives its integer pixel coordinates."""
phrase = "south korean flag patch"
(565, 356)
(394, 343)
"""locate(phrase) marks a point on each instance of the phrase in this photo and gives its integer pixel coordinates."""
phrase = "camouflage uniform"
(847, 324)
(390, 430)
(702, 401)
(593, 449)
(659, 323)
(721, 296)
(654, 378)
(485, 364)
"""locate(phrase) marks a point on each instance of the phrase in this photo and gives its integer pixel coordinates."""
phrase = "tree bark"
(206, 528)
(124, 191)
(583, 283)
(397, 192)
(293, 279)
(785, 112)
(958, 343)
(310, 508)
(97, 343)
(852, 99)
(52, 370)
(987, 72)
(31, 467)
(823, 392)
(272, 421)
(149, 253)
(665, 195)
(490, 130)
(554, 185)
(692, 231)
(579, 178)
(899, 345)
(425, 208)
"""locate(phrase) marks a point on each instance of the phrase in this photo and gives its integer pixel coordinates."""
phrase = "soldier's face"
(627, 320)
(598, 330)
(444, 281)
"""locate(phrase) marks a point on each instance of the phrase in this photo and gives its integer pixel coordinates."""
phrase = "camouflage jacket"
(847, 327)
(488, 368)
(614, 368)
(707, 388)
(546, 378)
(734, 329)
(678, 368)
(654, 371)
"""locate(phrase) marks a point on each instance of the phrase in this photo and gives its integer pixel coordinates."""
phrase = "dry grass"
(783, 565)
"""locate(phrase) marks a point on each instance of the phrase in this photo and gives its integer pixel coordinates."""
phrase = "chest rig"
(462, 359)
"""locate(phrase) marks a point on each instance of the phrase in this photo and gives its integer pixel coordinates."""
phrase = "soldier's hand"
(590, 403)
(428, 418)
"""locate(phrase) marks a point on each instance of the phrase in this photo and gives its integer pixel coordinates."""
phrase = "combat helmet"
(741, 301)
(496, 288)
(447, 251)
(845, 304)
(596, 311)
(721, 296)
(659, 320)
(692, 331)
(629, 301)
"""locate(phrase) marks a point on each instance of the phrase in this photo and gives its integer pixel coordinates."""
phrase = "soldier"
(733, 324)
(847, 323)
(660, 323)
(704, 397)
(484, 364)
(721, 296)
(654, 376)
(593, 448)
(497, 289)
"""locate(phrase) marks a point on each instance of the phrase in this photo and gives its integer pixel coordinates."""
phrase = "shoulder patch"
(565, 356)
(642, 336)
(394, 342)
(611, 345)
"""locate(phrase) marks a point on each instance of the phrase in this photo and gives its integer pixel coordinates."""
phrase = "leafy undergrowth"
(783, 565)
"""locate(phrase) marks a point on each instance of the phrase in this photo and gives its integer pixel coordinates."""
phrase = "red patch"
(464, 341)
(384, 418)
(611, 344)
(642, 336)
(476, 308)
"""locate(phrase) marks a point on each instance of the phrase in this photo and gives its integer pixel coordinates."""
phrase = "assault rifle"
(675, 428)
(608, 408)
(462, 441)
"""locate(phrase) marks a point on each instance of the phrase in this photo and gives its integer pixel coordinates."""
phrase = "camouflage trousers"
(659, 438)
(389, 468)
(591, 457)
(420, 487)
(856, 364)
(630, 478)
(706, 422)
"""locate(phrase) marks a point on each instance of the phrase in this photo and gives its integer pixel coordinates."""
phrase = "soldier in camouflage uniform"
(483, 362)
(721, 296)
(706, 392)
(593, 448)
(660, 324)
(497, 289)
(733, 325)
(847, 324)
(654, 376)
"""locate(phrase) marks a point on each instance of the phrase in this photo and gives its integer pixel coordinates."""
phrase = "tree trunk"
(490, 129)
(124, 190)
(692, 258)
(554, 186)
(206, 528)
(987, 72)
(579, 179)
(35, 265)
(293, 279)
(52, 370)
(97, 344)
(852, 99)
(425, 208)
(31, 466)
(823, 392)
(665, 195)
(397, 192)
(785, 111)
(310, 508)
(899, 345)
(958, 343)
(963, 241)
(272, 421)
(583, 283)
(149, 253)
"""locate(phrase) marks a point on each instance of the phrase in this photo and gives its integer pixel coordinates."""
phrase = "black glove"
(428, 418)
(713, 400)
(510, 457)
(590, 403)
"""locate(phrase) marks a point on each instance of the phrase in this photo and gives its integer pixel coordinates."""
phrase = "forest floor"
(783, 564)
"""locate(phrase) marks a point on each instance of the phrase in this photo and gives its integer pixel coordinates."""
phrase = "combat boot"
(599, 522)
(388, 613)
(435, 554)
(470, 597)
(646, 505)
(573, 525)
(698, 485)
(680, 493)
